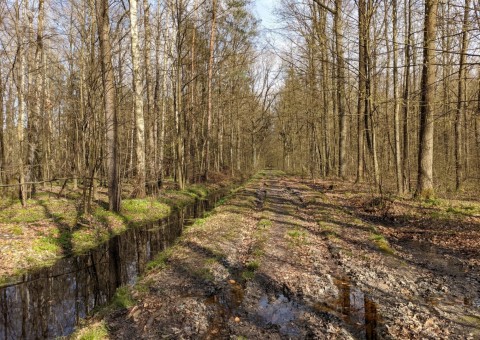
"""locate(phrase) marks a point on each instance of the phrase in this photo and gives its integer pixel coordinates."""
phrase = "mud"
(286, 258)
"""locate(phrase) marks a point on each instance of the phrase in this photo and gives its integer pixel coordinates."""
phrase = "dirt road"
(283, 258)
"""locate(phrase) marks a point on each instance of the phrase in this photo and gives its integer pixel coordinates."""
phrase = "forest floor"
(291, 258)
(52, 224)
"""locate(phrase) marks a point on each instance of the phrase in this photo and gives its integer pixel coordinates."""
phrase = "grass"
(297, 237)
(15, 213)
(140, 211)
(49, 244)
(253, 265)
(123, 298)
(330, 231)
(382, 243)
(160, 261)
(95, 331)
(264, 223)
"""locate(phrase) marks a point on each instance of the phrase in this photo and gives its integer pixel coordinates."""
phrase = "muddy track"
(284, 261)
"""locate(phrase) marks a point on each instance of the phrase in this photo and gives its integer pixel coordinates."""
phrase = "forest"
(239, 169)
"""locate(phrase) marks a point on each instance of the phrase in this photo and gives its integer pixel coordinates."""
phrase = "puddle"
(358, 310)
(355, 308)
(48, 303)
(280, 312)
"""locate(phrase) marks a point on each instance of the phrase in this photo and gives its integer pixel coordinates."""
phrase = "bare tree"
(425, 156)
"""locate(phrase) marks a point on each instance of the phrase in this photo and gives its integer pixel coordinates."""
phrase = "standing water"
(48, 303)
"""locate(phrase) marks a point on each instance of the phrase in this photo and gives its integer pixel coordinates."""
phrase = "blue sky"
(264, 11)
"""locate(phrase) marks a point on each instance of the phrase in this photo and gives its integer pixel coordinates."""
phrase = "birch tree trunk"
(20, 32)
(139, 190)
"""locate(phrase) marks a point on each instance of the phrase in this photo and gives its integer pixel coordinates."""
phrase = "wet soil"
(286, 258)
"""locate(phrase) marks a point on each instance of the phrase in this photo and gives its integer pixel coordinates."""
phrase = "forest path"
(283, 259)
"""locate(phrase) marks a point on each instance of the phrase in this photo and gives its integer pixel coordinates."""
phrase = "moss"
(61, 210)
(330, 231)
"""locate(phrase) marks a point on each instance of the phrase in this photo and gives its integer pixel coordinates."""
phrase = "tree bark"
(210, 94)
(460, 110)
(138, 104)
(111, 121)
(338, 28)
(425, 156)
(396, 107)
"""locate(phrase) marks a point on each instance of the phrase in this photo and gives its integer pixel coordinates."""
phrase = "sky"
(263, 9)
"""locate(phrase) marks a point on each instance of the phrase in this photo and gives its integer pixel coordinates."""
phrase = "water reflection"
(358, 310)
(48, 303)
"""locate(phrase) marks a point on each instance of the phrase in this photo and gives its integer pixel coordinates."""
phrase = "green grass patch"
(432, 202)
(109, 219)
(330, 231)
(48, 244)
(15, 213)
(221, 201)
(198, 191)
(160, 260)
(382, 244)
(248, 275)
(123, 298)
(139, 211)
(95, 331)
(297, 237)
(253, 265)
(16, 230)
(264, 223)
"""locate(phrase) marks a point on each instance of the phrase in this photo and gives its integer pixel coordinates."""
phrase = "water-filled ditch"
(49, 302)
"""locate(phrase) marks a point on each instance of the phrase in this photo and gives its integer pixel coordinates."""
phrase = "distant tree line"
(382, 91)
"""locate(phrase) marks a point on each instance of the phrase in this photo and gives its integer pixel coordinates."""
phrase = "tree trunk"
(210, 94)
(138, 104)
(111, 122)
(338, 28)
(425, 155)
(460, 110)
(396, 107)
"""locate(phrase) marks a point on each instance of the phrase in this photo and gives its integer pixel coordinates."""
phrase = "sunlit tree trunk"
(210, 90)
(425, 156)
(138, 104)
(396, 100)
(459, 156)
(111, 122)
